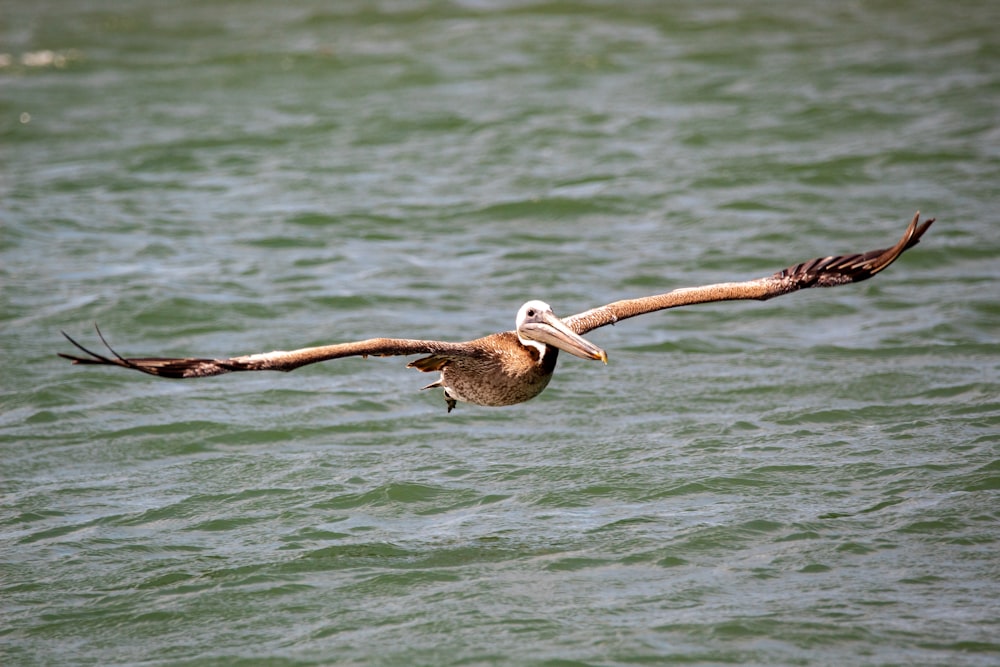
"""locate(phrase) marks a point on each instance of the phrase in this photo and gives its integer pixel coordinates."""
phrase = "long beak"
(553, 332)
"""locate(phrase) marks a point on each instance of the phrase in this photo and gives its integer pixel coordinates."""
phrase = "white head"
(537, 326)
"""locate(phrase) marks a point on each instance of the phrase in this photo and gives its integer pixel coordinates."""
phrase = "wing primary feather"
(93, 357)
(122, 360)
(827, 271)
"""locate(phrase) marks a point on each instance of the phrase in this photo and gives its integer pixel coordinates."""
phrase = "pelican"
(515, 366)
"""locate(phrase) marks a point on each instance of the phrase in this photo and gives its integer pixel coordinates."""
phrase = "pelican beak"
(552, 331)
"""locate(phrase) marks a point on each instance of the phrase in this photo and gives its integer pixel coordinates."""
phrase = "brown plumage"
(515, 366)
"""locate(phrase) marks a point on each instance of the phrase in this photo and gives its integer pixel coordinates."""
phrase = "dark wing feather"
(819, 272)
(190, 367)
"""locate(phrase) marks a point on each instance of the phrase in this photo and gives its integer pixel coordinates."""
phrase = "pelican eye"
(531, 312)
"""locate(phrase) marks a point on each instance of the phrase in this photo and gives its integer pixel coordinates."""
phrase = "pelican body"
(509, 367)
(515, 366)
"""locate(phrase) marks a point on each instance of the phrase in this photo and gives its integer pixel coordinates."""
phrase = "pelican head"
(538, 326)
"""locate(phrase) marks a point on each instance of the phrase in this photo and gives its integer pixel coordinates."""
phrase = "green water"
(809, 481)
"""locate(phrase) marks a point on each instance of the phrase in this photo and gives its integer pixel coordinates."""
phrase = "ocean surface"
(814, 480)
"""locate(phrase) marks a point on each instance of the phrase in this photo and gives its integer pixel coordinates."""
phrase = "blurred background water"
(813, 480)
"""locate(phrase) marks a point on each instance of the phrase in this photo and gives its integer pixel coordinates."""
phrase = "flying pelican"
(515, 366)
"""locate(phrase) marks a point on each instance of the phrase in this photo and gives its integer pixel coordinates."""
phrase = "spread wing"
(819, 272)
(268, 361)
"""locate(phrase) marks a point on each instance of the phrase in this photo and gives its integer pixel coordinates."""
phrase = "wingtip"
(914, 231)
